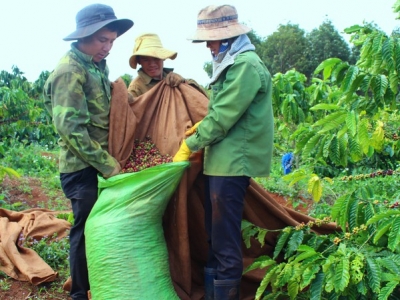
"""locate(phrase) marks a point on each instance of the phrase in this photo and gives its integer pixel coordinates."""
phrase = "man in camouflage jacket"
(77, 95)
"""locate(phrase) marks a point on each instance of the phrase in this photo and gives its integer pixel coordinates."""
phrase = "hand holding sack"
(183, 153)
(116, 171)
(173, 79)
(192, 130)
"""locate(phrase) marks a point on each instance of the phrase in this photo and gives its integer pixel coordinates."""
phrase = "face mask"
(224, 45)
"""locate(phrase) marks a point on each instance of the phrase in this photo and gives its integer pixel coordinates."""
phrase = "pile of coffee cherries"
(144, 155)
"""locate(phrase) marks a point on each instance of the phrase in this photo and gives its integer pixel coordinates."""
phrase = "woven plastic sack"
(125, 245)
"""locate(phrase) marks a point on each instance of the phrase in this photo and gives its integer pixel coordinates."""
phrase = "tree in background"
(285, 49)
(326, 42)
(290, 47)
(127, 79)
(22, 113)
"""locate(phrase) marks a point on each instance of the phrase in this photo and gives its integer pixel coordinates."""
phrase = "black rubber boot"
(226, 289)
(209, 276)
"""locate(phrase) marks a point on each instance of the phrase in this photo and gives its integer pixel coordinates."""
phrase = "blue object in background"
(287, 162)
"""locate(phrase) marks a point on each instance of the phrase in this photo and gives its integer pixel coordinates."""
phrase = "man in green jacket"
(77, 95)
(237, 138)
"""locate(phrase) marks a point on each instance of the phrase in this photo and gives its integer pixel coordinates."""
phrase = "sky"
(33, 30)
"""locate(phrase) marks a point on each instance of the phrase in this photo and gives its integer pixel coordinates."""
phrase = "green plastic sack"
(125, 245)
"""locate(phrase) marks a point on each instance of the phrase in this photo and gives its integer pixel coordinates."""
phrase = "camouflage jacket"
(77, 94)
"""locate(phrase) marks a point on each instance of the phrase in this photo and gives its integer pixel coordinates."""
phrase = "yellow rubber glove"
(183, 153)
(193, 129)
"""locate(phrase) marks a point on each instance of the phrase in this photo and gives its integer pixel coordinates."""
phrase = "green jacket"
(77, 94)
(237, 133)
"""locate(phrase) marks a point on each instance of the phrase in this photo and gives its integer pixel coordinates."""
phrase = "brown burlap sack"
(164, 114)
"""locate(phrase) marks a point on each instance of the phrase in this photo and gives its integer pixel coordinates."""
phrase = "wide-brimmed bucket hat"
(149, 44)
(94, 17)
(216, 23)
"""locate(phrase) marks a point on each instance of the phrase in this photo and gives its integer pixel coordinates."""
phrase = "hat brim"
(123, 26)
(218, 34)
(160, 53)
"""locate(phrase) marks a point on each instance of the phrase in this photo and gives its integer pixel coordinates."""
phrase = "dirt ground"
(11, 289)
(34, 197)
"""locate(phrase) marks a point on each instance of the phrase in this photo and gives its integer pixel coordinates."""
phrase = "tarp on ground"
(18, 261)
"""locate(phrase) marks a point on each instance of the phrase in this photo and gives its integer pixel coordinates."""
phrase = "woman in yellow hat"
(150, 54)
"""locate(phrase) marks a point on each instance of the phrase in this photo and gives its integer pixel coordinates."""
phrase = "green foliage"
(127, 79)
(326, 42)
(30, 159)
(22, 112)
(67, 217)
(7, 171)
(54, 251)
(325, 266)
(284, 49)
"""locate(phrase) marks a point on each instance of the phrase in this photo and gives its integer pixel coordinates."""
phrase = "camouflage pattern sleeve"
(81, 119)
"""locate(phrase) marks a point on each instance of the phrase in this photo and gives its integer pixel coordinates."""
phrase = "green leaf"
(351, 123)
(310, 146)
(325, 106)
(390, 264)
(387, 290)
(363, 137)
(387, 53)
(355, 150)
(317, 286)
(394, 234)
(260, 262)
(314, 187)
(382, 229)
(353, 214)
(383, 215)
(310, 253)
(373, 275)
(379, 85)
(353, 29)
(268, 277)
(338, 207)
(331, 121)
(295, 241)
(351, 75)
(309, 274)
(327, 66)
(283, 237)
(293, 289)
(342, 274)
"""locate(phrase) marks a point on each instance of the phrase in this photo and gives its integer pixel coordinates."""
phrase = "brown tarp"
(164, 114)
(22, 263)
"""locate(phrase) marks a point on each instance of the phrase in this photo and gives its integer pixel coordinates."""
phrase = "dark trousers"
(224, 200)
(81, 188)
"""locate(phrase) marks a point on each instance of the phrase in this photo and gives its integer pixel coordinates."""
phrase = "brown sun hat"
(149, 44)
(215, 23)
(94, 17)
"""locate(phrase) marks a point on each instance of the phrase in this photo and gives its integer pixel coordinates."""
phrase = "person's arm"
(71, 118)
(234, 96)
